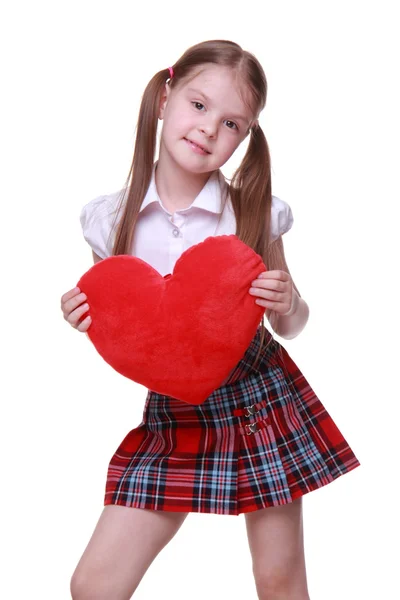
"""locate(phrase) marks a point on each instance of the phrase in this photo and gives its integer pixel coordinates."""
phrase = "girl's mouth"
(196, 147)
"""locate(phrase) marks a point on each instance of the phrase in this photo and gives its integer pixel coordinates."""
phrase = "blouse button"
(175, 232)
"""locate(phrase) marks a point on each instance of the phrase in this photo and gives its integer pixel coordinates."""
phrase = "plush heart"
(182, 334)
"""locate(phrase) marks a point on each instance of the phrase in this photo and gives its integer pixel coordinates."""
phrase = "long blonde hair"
(250, 186)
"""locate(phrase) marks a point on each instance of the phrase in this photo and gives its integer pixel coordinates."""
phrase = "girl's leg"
(275, 536)
(122, 547)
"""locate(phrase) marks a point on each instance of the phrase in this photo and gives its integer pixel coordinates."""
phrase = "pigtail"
(140, 172)
(251, 187)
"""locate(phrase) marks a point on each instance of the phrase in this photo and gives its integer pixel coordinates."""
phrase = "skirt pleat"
(261, 439)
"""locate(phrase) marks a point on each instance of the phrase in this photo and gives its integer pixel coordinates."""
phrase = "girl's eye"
(198, 103)
(234, 124)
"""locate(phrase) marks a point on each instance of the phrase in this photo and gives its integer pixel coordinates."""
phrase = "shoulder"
(97, 218)
(101, 207)
(281, 217)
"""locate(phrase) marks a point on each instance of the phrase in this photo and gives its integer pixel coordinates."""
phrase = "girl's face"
(207, 112)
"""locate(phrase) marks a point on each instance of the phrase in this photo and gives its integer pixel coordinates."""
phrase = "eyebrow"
(207, 99)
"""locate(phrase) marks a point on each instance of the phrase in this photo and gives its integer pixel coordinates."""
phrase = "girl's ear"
(163, 102)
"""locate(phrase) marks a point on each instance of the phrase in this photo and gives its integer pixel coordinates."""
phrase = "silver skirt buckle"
(251, 410)
(251, 428)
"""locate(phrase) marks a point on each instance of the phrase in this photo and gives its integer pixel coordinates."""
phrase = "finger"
(75, 315)
(73, 303)
(269, 284)
(265, 303)
(266, 294)
(85, 324)
(279, 307)
(277, 274)
(69, 294)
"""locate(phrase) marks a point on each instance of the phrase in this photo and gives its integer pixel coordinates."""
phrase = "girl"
(261, 440)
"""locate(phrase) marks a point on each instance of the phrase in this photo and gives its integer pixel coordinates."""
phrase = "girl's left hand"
(274, 290)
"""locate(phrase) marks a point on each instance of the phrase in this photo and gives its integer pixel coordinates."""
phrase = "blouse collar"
(209, 198)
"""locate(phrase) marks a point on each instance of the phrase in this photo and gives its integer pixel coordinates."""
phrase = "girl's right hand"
(73, 306)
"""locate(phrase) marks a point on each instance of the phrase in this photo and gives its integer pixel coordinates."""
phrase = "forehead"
(223, 87)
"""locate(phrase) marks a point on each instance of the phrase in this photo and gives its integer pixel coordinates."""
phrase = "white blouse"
(161, 237)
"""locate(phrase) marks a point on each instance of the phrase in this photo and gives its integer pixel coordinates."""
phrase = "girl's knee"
(82, 588)
(79, 589)
(281, 585)
(87, 589)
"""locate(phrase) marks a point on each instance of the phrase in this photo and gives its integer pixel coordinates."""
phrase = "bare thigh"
(276, 542)
(122, 547)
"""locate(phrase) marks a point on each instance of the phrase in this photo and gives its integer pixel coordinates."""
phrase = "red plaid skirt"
(261, 439)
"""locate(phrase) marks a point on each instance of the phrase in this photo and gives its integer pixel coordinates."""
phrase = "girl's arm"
(290, 325)
(96, 257)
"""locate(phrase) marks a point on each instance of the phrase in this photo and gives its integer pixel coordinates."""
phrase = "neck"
(176, 187)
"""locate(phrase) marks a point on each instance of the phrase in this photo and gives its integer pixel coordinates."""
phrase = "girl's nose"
(210, 128)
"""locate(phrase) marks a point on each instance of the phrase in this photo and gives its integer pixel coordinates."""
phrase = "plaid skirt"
(261, 439)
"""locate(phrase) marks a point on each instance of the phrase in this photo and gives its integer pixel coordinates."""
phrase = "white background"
(73, 74)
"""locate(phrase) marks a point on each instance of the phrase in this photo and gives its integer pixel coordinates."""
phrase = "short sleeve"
(281, 218)
(97, 218)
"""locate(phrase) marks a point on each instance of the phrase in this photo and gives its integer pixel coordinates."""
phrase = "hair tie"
(171, 72)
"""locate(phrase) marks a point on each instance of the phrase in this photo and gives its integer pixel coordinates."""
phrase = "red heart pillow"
(182, 334)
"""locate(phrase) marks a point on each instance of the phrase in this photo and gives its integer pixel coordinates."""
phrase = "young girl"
(263, 439)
